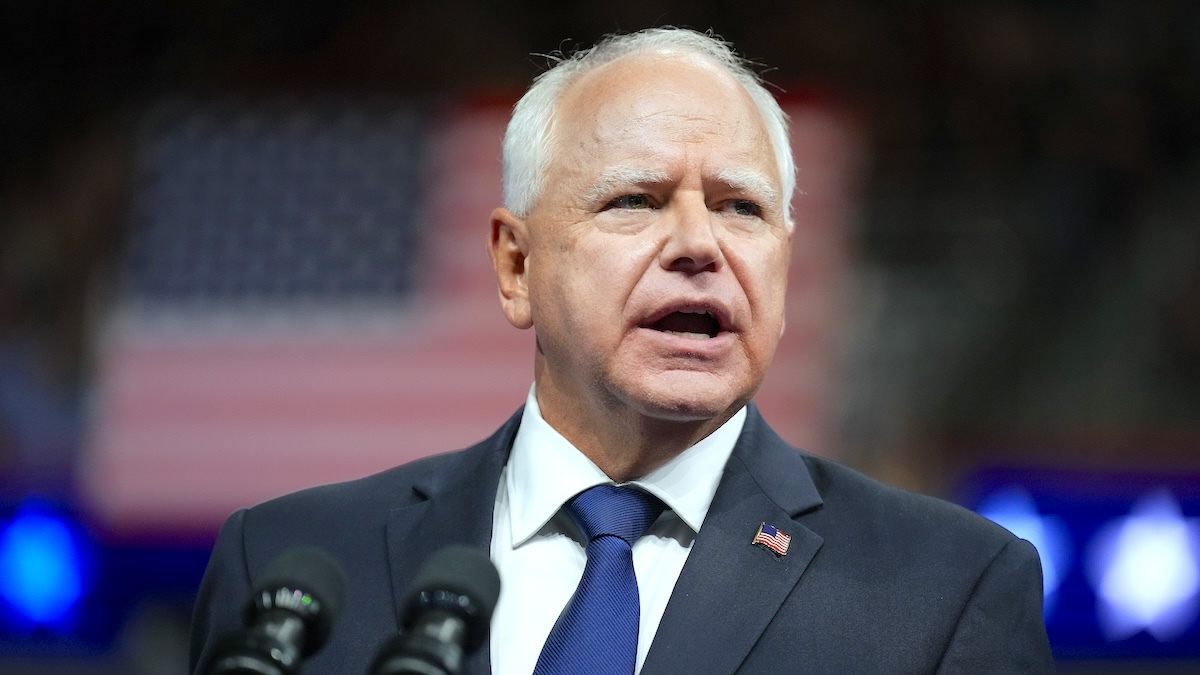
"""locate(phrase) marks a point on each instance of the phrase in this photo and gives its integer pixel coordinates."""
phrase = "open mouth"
(697, 325)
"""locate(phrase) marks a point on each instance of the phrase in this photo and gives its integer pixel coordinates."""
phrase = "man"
(646, 239)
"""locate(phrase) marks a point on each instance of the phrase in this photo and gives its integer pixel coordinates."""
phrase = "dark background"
(1027, 252)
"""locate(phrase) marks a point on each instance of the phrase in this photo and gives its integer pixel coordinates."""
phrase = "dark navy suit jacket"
(876, 580)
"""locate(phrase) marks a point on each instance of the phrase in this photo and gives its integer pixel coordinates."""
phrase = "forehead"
(643, 103)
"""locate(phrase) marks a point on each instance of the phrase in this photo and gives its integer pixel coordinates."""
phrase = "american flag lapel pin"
(772, 538)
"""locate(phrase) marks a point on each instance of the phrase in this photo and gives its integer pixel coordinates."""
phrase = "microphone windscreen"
(463, 571)
(317, 588)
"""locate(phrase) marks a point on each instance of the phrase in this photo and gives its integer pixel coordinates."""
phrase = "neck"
(623, 442)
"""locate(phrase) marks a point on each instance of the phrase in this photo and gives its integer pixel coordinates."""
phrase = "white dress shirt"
(541, 553)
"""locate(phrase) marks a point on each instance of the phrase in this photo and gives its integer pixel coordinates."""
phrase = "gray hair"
(529, 139)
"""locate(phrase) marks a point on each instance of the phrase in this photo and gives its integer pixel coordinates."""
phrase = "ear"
(791, 229)
(508, 247)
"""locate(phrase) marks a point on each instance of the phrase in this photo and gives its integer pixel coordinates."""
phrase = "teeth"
(701, 336)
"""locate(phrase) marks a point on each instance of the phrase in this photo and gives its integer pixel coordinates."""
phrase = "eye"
(640, 201)
(745, 207)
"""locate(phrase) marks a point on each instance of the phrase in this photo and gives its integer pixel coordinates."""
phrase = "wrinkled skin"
(653, 264)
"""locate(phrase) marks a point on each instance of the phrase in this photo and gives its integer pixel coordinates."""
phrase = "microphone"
(289, 615)
(446, 615)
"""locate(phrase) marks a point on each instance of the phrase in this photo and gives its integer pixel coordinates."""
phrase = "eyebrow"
(615, 177)
(752, 182)
(749, 181)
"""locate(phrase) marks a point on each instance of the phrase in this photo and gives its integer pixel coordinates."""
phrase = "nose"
(691, 244)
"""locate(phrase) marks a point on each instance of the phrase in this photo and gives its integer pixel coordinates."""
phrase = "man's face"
(656, 255)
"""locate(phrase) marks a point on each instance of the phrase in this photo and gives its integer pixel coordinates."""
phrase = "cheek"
(765, 284)
(776, 283)
(577, 290)
(764, 274)
(611, 265)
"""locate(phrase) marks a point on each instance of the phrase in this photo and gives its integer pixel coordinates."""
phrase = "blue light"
(1014, 509)
(1145, 569)
(40, 567)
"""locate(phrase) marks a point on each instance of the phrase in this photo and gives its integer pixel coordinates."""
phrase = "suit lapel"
(729, 589)
(457, 500)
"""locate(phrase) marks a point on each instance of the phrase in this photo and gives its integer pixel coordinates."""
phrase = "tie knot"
(623, 512)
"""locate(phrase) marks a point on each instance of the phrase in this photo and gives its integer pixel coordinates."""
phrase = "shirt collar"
(545, 470)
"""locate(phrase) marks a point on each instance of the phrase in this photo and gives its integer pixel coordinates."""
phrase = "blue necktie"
(597, 632)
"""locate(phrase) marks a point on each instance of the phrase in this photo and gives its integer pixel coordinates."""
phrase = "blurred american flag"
(306, 298)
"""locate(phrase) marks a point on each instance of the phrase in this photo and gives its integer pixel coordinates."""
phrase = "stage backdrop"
(306, 298)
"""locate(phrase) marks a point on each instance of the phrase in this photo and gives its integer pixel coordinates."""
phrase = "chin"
(679, 402)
